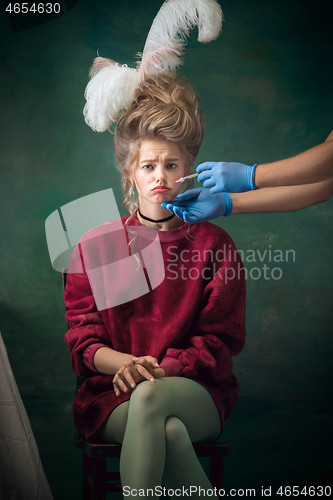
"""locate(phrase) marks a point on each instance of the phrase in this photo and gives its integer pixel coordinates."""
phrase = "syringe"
(182, 179)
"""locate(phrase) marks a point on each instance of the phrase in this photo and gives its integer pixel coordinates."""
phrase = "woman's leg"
(163, 418)
(182, 466)
(114, 428)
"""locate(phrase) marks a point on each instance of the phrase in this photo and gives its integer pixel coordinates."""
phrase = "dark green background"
(266, 90)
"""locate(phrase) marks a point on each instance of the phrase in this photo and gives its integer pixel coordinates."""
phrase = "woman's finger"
(115, 388)
(154, 361)
(144, 372)
(147, 361)
(121, 379)
(128, 375)
(122, 385)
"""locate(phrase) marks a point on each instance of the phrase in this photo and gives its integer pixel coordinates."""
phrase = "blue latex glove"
(199, 205)
(226, 177)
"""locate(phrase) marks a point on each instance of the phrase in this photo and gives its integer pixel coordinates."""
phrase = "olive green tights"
(156, 428)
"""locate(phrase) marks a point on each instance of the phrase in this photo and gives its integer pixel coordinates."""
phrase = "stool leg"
(216, 472)
(87, 469)
(99, 479)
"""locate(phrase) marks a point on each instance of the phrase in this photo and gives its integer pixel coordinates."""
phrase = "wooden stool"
(96, 481)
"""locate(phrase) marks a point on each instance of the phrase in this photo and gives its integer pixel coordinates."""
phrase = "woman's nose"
(160, 173)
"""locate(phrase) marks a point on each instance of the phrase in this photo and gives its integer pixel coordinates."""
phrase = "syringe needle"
(183, 179)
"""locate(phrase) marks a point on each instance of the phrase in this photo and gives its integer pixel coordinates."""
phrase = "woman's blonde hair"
(165, 106)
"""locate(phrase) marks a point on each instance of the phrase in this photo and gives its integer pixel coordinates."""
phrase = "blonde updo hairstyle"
(165, 106)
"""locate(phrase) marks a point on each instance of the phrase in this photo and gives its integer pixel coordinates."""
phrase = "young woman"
(157, 368)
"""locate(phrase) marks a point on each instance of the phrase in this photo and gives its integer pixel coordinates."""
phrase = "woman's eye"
(147, 167)
(171, 165)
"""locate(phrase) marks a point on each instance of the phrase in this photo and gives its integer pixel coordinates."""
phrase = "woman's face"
(159, 165)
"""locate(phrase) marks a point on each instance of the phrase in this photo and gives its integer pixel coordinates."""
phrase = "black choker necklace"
(155, 221)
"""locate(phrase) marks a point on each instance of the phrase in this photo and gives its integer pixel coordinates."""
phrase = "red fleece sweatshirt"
(192, 322)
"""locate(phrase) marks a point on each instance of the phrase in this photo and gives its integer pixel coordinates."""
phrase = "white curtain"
(22, 475)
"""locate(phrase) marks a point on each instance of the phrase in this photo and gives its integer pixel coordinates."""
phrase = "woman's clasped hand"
(136, 370)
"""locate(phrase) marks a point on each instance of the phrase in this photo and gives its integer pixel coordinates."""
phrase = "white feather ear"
(108, 93)
(167, 36)
(100, 63)
(112, 86)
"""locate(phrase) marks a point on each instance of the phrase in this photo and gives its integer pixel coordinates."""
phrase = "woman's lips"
(161, 189)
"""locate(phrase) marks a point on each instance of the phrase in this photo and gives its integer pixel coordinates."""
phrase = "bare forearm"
(108, 361)
(311, 166)
(282, 199)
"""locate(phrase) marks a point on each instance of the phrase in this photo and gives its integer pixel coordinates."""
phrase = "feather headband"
(111, 88)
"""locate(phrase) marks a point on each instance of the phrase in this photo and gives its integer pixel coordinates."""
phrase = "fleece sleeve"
(87, 332)
(218, 330)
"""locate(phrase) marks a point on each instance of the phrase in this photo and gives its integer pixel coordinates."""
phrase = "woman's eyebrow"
(146, 161)
(154, 160)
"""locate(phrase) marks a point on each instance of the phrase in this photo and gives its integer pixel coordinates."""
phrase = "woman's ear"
(131, 178)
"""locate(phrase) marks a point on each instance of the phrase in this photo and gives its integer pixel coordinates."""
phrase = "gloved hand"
(226, 177)
(199, 205)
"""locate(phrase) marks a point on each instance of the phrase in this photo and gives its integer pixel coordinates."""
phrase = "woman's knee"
(146, 399)
(176, 434)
